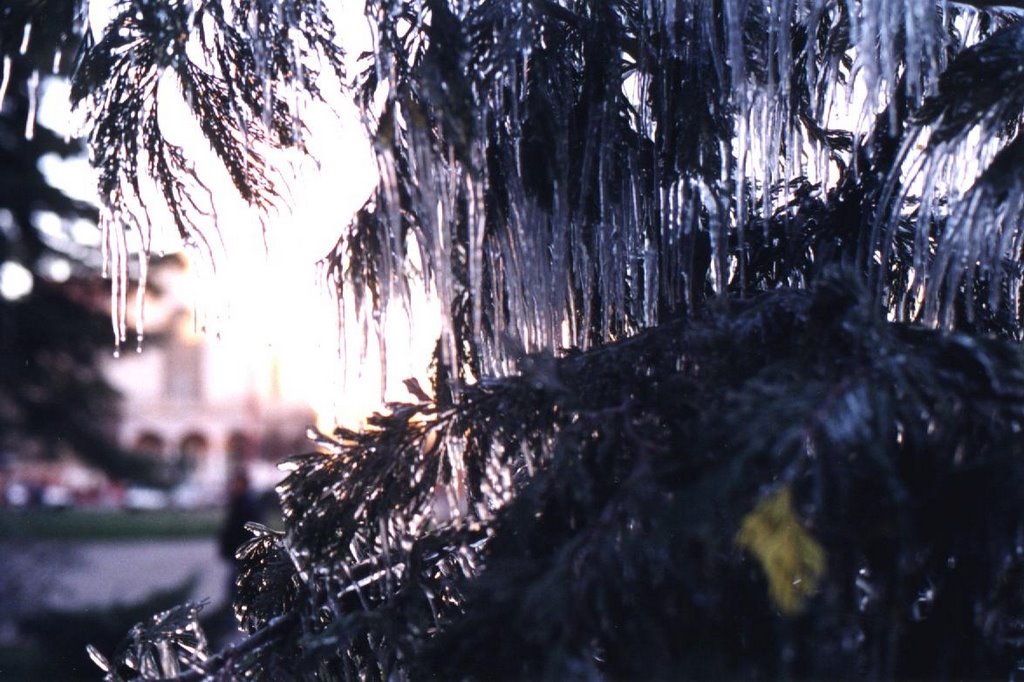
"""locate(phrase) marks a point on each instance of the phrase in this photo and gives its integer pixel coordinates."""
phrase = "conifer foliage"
(729, 382)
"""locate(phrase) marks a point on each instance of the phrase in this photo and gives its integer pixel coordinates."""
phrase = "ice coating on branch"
(240, 70)
(953, 197)
(568, 173)
(549, 220)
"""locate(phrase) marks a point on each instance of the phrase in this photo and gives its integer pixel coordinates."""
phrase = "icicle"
(33, 97)
(25, 37)
(477, 229)
(109, 265)
(140, 298)
(5, 79)
(122, 302)
(268, 103)
(105, 245)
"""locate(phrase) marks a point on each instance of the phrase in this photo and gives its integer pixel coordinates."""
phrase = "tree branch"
(277, 627)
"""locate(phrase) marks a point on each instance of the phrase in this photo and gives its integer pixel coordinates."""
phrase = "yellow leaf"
(791, 558)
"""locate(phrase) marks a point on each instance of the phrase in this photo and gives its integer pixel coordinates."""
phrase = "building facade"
(202, 402)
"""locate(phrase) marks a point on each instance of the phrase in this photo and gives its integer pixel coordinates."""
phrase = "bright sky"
(265, 294)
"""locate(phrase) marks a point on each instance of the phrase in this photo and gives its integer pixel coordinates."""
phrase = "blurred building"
(201, 402)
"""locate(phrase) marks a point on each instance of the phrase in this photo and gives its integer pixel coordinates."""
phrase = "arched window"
(195, 445)
(150, 443)
(192, 449)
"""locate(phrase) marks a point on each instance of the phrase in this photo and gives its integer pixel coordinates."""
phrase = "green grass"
(74, 524)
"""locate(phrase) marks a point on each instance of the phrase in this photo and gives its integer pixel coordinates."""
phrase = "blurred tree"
(729, 383)
(53, 397)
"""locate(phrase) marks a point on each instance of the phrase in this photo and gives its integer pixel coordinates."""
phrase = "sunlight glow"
(262, 295)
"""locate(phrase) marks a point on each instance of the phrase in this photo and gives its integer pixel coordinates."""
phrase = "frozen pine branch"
(727, 383)
(602, 493)
(636, 146)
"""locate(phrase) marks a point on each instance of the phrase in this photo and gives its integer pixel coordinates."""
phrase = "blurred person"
(243, 507)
